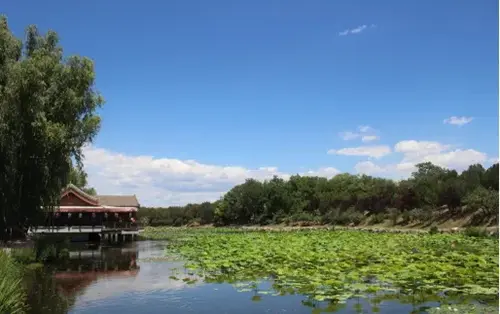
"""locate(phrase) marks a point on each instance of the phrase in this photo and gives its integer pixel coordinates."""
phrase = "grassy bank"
(416, 220)
(19, 265)
(338, 265)
(12, 293)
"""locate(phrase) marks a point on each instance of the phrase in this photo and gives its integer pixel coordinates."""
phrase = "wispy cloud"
(365, 132)
(356, 30)
(369, 151)
(347, 136)
(369, 138)
(457, 120)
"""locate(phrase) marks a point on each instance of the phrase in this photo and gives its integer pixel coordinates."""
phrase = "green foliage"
(490, 178)
(476, 232)
(24, 256)
(464, 309)
(481, 198)
(393, 214)
(418, 215)
(78, 177)
(344, 199)
(177, 215)
(337, 265)
(406, 217)
(434, 230)
(302, 219)
(346, 217)
(47, 114)
(50, 248)
(378, 218)
(12, 294)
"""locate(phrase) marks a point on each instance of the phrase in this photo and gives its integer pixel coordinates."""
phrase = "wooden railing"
(88, 227)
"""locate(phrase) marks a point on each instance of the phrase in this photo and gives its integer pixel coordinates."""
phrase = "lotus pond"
(331, 267)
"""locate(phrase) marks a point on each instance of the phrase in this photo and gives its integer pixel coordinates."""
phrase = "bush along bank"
(12, 293)
(17, 265)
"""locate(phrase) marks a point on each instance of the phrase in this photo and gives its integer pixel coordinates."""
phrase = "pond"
(137, 278)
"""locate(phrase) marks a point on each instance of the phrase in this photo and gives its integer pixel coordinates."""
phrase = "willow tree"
(78, 177)
(47, 114)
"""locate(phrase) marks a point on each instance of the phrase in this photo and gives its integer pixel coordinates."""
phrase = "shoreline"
(492, 230)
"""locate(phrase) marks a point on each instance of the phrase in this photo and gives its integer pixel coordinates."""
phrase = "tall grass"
(12, 294)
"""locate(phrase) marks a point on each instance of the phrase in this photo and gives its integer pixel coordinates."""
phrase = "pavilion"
(80, 212)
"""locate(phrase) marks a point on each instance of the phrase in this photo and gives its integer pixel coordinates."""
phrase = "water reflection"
(134, 279)
(55, 289)
(87, 266)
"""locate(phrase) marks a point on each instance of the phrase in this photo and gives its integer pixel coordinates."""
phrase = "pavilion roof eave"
(95, 209)
(87, 198)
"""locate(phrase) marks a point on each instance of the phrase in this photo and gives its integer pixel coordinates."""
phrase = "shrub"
(12, 294)
(144, 221)
(484, 199)
(419, 215)
(406, 216)
(434, 230)
(476, 232)
(195, 222)
(24, 256)
(377, 218)
(349, 216)
(302, 219)
(329, 216)
(393, 214)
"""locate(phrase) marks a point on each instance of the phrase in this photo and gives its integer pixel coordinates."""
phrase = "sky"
(201, 95)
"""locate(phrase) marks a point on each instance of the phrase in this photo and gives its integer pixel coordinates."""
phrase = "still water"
(134, 279)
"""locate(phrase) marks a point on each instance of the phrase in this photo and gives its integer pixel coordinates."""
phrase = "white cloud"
(415, 152)
(358, 29)
(365, 132)
(348, 135)
(457, 159)
(328, 172)
(355, 30)
(458, 120)
(365, 129)
(166, 181)
(370, 151)
(369, 138)
(368, 167)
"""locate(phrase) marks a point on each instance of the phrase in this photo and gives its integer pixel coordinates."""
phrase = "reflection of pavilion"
(87, 266)
(72, 283)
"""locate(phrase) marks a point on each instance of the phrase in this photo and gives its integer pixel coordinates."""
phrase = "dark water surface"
(133, 279)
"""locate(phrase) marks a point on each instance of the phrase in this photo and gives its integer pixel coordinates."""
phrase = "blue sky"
(243, 86)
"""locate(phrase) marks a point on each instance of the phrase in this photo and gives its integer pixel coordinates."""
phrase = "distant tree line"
(346, 199)
(194, 214)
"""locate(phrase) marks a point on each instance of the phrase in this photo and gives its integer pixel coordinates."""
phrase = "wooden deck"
(82, 229)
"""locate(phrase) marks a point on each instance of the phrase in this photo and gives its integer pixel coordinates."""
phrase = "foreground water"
(136, 279)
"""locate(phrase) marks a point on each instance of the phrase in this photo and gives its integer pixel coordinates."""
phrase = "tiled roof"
(105, 200)
(81, 194)
(118, 200)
